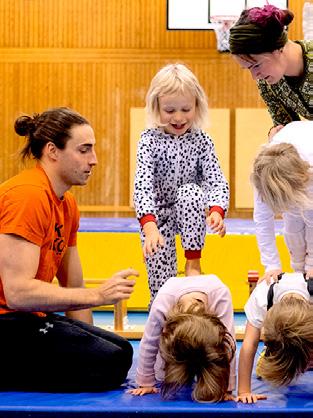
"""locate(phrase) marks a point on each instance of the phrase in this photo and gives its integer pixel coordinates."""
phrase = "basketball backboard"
(196, 14)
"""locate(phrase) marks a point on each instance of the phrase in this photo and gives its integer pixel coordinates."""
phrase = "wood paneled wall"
(98, 57)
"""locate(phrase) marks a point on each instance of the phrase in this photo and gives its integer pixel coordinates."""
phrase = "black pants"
(57, 354)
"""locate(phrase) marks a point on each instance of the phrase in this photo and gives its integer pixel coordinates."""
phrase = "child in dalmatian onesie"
(179, 185)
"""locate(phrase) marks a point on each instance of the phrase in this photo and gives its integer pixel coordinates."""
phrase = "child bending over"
(179, 186)
(189, 335)
(283, 184)
(285, 311)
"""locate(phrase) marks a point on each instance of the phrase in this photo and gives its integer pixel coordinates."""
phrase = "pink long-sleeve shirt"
(150, 364)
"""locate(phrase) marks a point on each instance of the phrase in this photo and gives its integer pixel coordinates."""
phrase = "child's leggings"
(186, 216)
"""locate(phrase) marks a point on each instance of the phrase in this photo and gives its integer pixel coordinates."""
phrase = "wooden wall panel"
(98, 56)
(250, 126)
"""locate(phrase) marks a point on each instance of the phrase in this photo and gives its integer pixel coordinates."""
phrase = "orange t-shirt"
(30, 209)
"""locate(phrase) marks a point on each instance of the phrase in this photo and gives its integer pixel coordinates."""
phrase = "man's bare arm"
(19, 260)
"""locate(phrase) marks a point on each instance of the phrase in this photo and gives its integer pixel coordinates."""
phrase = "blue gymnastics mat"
(233, 225)
(294, 401)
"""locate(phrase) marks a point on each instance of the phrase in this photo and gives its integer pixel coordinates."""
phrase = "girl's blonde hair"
(197, 344)
(288, 337)
(175, 79)
(281, 177)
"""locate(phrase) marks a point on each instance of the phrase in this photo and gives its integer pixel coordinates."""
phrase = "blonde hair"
(175, 79)
(197, 344)
(281, 177)
(288, 336)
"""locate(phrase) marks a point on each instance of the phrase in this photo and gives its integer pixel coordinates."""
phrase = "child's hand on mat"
(143, 391)
(309, 273)
(216, 223)
(116, 288)
(269, 275)
(229, 397)
(249, 397)
(153, 239)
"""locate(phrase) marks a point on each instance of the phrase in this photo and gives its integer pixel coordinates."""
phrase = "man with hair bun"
(39, 220)
(282, 68)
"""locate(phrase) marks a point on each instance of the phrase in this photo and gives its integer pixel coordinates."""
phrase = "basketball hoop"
(221, 26)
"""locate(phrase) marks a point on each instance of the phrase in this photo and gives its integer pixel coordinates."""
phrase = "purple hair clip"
(262, 15)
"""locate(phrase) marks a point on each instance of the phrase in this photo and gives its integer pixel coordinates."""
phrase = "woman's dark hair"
(53, 125)
(259, 30)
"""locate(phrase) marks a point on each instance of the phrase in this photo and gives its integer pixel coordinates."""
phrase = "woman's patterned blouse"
(292, 97)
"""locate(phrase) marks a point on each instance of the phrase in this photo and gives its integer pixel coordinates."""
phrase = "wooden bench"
(135, 332)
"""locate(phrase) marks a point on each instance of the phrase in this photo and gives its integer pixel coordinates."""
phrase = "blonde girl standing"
(179, 186)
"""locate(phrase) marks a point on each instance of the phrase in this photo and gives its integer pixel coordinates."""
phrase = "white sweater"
(256, 306)
(299, 134)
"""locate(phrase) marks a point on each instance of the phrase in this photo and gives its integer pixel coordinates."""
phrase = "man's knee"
(123, 353)
(121, 362)
(127, 352)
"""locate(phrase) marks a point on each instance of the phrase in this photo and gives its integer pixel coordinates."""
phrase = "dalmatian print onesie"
(177, 178)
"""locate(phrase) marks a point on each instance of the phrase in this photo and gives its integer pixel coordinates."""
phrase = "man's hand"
(117, 287)
(153, 239)
(143, 391)
(248, 397)
(216, 223)
(269, 275)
